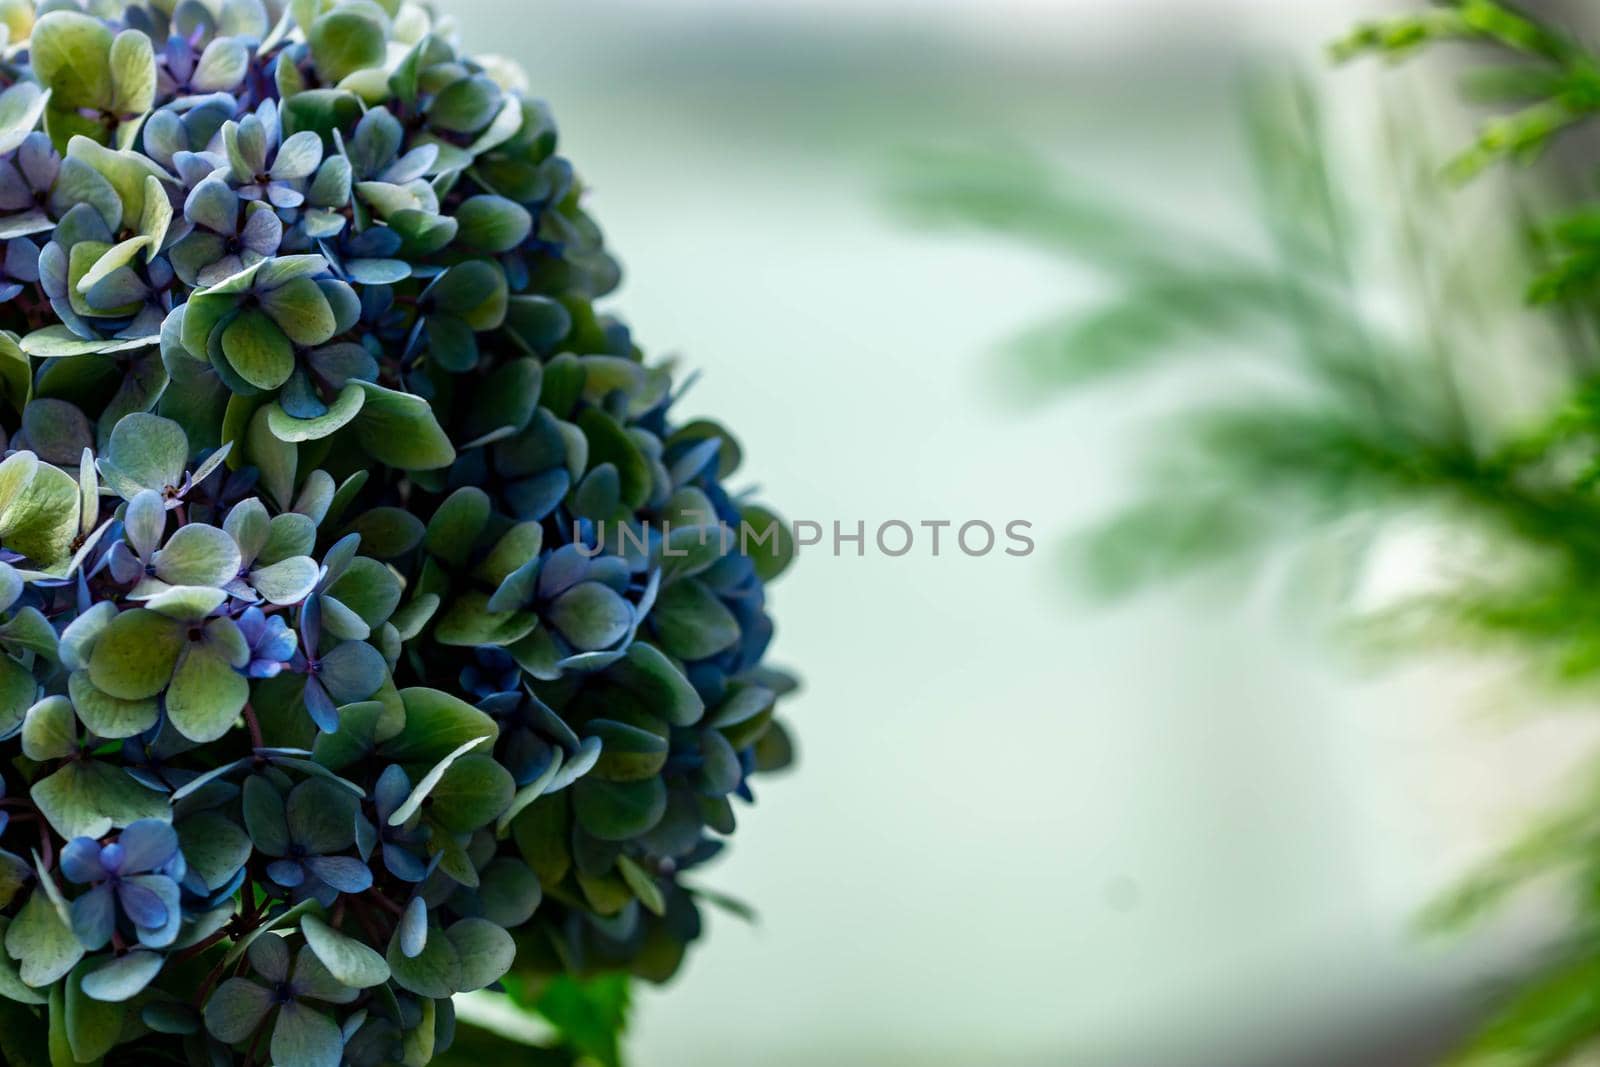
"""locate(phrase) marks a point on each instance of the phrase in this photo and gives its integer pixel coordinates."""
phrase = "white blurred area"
(1025, 829)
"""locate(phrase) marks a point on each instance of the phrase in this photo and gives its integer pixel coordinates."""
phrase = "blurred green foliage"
(1311, 413)
(587, 1016)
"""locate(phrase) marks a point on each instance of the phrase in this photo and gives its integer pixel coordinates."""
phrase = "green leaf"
(186, 603)
(610, 443)
(1549, 1019)
(691, 622)
(592, 616)
(486, 952)
(767, 540)
(18, 689)
(493, 223)
(456, 524)
(147, 452)
(123, 978)
(21, 108)
(41, 519)
(351, 962)
(238, 1006)
(345, 407)
(50, 730)
(12, 986)
(89, 798)
(616, 811)
(198, 555)
(436, 971)
(133, 73)
(214, 846)
(135, 655)
(399, 430)
(472, 793)
(343, 42)
(506, 400)
(286, 582)
(301, 310)
(660, 686)
(128, 173)
(40, 940)
(509, 892)
(321, 816)
(304, 1037)
(108, 716)
(468, 622)
(156, 217)
(413, 802)
(258, 350)
(515, 548)
(387, 532)
(591, 1013)
(436, 724)
(276, 458)
(70, 55)
(93, 1026)
(644, 887)
(627, 752)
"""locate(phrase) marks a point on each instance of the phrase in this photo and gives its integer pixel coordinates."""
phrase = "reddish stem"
(254, 724)
(386, 902)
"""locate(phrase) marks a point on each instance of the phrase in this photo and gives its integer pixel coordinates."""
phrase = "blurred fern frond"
(1429, 358)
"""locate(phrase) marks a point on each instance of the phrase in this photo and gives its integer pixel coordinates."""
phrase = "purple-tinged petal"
(38, 161)
(220, 270)
(141, 903)
(283, 195)
(123, 564)
(22, 260)
(165, 890)
(262, 232)
(14, 192)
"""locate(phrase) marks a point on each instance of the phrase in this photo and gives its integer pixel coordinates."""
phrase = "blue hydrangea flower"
(133, 879)
(404, 847)
(272, 643)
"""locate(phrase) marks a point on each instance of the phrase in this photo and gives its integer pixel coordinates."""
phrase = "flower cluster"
(368, 624)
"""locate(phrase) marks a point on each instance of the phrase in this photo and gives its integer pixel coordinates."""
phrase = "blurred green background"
(1025, 829)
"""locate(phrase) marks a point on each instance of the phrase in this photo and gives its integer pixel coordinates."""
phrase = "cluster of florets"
(368, 626)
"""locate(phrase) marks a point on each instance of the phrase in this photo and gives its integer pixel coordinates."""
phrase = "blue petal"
(141, 903)
(404, 864)
(414, 928)
(80, 860)
(146, 845)
(321, 707)
(287, 873)
(94, 917)
(344, 873)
